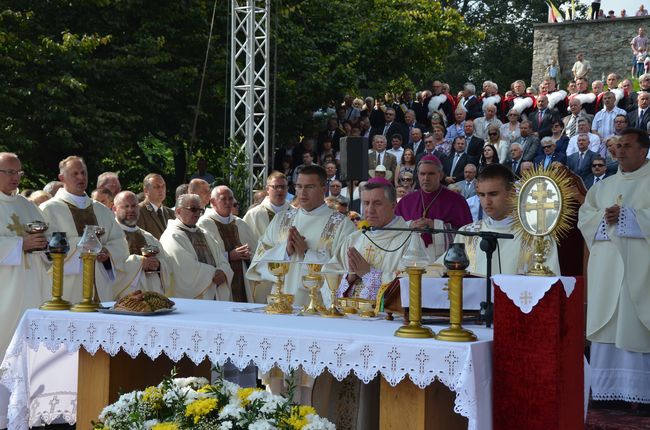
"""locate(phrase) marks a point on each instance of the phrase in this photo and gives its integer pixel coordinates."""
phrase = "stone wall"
(605, 43)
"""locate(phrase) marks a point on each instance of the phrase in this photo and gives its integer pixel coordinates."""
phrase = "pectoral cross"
(17, 226)
(541, 205)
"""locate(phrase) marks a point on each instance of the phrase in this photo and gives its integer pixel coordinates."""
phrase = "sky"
(630, 6)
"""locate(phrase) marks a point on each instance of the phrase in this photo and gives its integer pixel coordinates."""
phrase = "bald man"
(201, 188)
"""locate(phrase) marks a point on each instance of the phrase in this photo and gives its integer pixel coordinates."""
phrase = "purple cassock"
(442, 204)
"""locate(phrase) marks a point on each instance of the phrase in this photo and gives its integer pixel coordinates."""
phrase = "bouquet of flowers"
(194, 403)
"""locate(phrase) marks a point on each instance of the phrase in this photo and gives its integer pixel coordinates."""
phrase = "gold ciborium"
(58, 247)
(312, 282)
(278, 301)
(456, 261)
(89, 246)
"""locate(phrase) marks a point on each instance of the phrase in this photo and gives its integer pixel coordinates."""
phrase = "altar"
(220, 331)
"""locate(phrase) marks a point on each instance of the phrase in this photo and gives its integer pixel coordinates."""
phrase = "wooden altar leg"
(103, 378)
(408, 407)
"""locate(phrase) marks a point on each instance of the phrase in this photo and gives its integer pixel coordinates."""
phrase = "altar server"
(200, 268)
(238, 241)
(25, 282)
(70, 210)
(615, 222)
(151, 273)
(312, 227)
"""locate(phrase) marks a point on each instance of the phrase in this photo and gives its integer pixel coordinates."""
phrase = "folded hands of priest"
(612, 213)
(296, 243)
(358, 265)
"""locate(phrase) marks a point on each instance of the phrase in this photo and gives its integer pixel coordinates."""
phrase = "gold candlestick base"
(55, 304)
(456, 334)
(415, 331)
(85, 306)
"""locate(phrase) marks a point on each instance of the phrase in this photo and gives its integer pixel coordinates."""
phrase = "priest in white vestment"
(494, 187)
(25, 282)
(70, 210)
(350, 404)
(200, 268)
(237, 239)
(312, 227)
(615, 222)
(144, 273)
(259, 217)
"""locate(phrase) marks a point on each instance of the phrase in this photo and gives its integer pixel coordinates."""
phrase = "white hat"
(381, 168)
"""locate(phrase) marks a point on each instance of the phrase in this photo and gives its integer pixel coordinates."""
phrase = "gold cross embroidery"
(16, 227)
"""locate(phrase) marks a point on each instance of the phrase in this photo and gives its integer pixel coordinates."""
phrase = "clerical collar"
(82, 202)
(498, 223)
(275, 208)
(316, 211)
(126, 227)
(267, 204)
(6, 198)
(180, 225)
(222, 219)
(390, 224)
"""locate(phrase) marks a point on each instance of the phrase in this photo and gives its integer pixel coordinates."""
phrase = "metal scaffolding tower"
(249, 85)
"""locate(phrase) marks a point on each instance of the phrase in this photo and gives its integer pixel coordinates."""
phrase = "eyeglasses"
(406, 179)
(356, 218)
(335, 186)
(597, 165)
(277, 187)
(11, 172)
(547, 146)
(194, 210)
(235, 205)
(492, 134)
(513, 114)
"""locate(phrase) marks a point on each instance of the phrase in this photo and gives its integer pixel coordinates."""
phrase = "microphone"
(364, 226)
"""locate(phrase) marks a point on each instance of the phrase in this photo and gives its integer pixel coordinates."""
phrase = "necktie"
(547, 161)
(453, 164)
(416, 145)
(580, 160)
(161, 217)
(386, 127)
(573, 126)
(327, 190)
(596, 180)
(539, 118)
(480, 212)
(514, 165)
(639, 122)
(378, 158)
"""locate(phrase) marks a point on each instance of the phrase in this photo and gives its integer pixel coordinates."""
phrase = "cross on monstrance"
(17, 226)
(542, 204)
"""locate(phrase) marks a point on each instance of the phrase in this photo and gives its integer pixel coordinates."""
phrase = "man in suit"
(598, 172)
(154, 215)
(379, 155)
(640, 116)
(528, 141)
(471, 103)
(390, 127)
(417, 145)
(543, 117)
(332, 175)
(468, 185)
(454, 165)
(580, 162)
(549, 156)
(473, 144)
(411, 123)
(595, 143)
(571, 120)
(332, 132)
(516, 158)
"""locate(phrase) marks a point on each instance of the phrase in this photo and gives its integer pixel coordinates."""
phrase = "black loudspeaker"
(354, 158)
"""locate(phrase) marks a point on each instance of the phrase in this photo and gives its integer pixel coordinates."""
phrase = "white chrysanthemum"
(150, 423)
(230, 388)
(226, 425)
(314, 422)
(231, 411)
(271, 403)
(195, 382)
(262, 425)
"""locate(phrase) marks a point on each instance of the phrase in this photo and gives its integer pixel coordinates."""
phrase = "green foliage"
(233, 165)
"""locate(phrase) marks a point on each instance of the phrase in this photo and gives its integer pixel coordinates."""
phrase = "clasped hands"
(240, 253)
(612, 213)
(296, 243)
(422, 223)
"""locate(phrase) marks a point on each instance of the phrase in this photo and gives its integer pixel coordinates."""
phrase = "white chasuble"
(58, 214)
(193, 278)
(512, 256)
(245, 236)
(322, 228)
(619, 261)
(259, 217)
(134, 277)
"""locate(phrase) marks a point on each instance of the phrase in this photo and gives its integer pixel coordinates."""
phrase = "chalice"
(278, 301)
(150, 251)
(36, 227)
(333, 278)
(312, 282)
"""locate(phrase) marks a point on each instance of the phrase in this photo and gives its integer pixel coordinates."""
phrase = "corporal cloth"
(69, 213)
(25, 282)
(618, 315)
(233, 232)
(196, 257)
(443, 205)
(134, 277)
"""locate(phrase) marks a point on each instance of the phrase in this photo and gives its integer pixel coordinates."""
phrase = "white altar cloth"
(526, 291)
(434, 297)
(201, 328)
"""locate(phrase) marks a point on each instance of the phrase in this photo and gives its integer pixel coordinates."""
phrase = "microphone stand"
(488, 245)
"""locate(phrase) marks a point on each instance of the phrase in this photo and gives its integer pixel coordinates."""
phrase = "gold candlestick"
(59, 247)
(87, 303)
(414, 328)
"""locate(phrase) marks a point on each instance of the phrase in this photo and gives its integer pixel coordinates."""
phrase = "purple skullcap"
(379, 180)
(432, 158)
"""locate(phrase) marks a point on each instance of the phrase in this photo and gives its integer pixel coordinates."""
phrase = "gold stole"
(136, 241)
(82, 217)
(200, 245)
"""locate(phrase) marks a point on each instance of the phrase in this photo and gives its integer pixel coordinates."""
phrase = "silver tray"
(139, 314)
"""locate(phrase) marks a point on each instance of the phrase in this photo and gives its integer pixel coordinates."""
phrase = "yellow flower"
(204, 389)
(298, 418)
(200, 408)
(243, 394)
(153, 396)
(165, 426)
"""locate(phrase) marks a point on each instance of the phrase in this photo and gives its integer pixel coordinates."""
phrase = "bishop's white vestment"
(618, 310)
(192, 277)
(134, 277)
(58, 213)
(25, 282)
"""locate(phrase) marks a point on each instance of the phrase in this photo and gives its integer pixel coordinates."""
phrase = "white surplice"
(58, 215)
(257, 217)
(192, 278)
(135, 278)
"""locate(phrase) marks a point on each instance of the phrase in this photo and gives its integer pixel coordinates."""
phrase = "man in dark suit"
(153, 215)
(580, 162)
(528, 141)
(473, 144)
(640, 116)
(390, 127)
(598, 172)
(454, 165)
(549, 156)
(471, 103)
(379, 155)
(411, 123)
(332, 132)
(543, 117)
(416, 142)
(516, 158)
